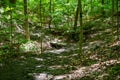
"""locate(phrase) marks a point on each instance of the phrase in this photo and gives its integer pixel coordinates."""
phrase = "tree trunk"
(91, 6)
(112, 20)
(50, 18)
(76, 17)
(40, 12)
(117, 5)
(26, 24)
(102, 9)
(81, 26)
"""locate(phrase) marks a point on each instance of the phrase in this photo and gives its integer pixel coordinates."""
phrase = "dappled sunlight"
(42, 76)
(57, 51)
(95, 57)
(83, 71)
(38, 59)
(117, 43)
(39, 66)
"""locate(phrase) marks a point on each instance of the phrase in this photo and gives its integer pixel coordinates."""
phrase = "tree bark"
(50, 18)
(26, 24)
(117, 18)
(112, 20)
(81, 26)
(76, 17)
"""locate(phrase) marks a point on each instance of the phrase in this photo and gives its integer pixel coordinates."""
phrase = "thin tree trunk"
(50, 18)
(40, 17)
(76, 17)
(26, 24)
(68, 21)
(117, 16)
(11, 26)
(81, 26)
(53, 9)
(112, 20)
(40, 13)
(91, 6)
(102, 9)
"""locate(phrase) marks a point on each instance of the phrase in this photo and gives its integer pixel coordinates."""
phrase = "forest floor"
(100, 60)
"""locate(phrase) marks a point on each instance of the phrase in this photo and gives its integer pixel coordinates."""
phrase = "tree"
(117, 16)
(50, 10)
(81, 25)
(26, 23)
(112, 20)
(11, 23)
(91, 2)
(76, 17)
(102, 9)
(40, 17)
(40, 12)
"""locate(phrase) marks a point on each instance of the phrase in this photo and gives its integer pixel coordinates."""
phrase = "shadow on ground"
(25, 66)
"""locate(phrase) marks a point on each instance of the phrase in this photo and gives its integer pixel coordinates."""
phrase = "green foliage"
(113, 73)
(115, 70)
(72, 34)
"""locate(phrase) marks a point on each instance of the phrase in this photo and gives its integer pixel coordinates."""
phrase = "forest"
(59, 40)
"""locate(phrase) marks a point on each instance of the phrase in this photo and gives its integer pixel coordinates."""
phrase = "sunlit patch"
(116, 43)
(42, 76)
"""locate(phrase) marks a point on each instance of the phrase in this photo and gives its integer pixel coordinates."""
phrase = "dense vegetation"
(59, 40)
